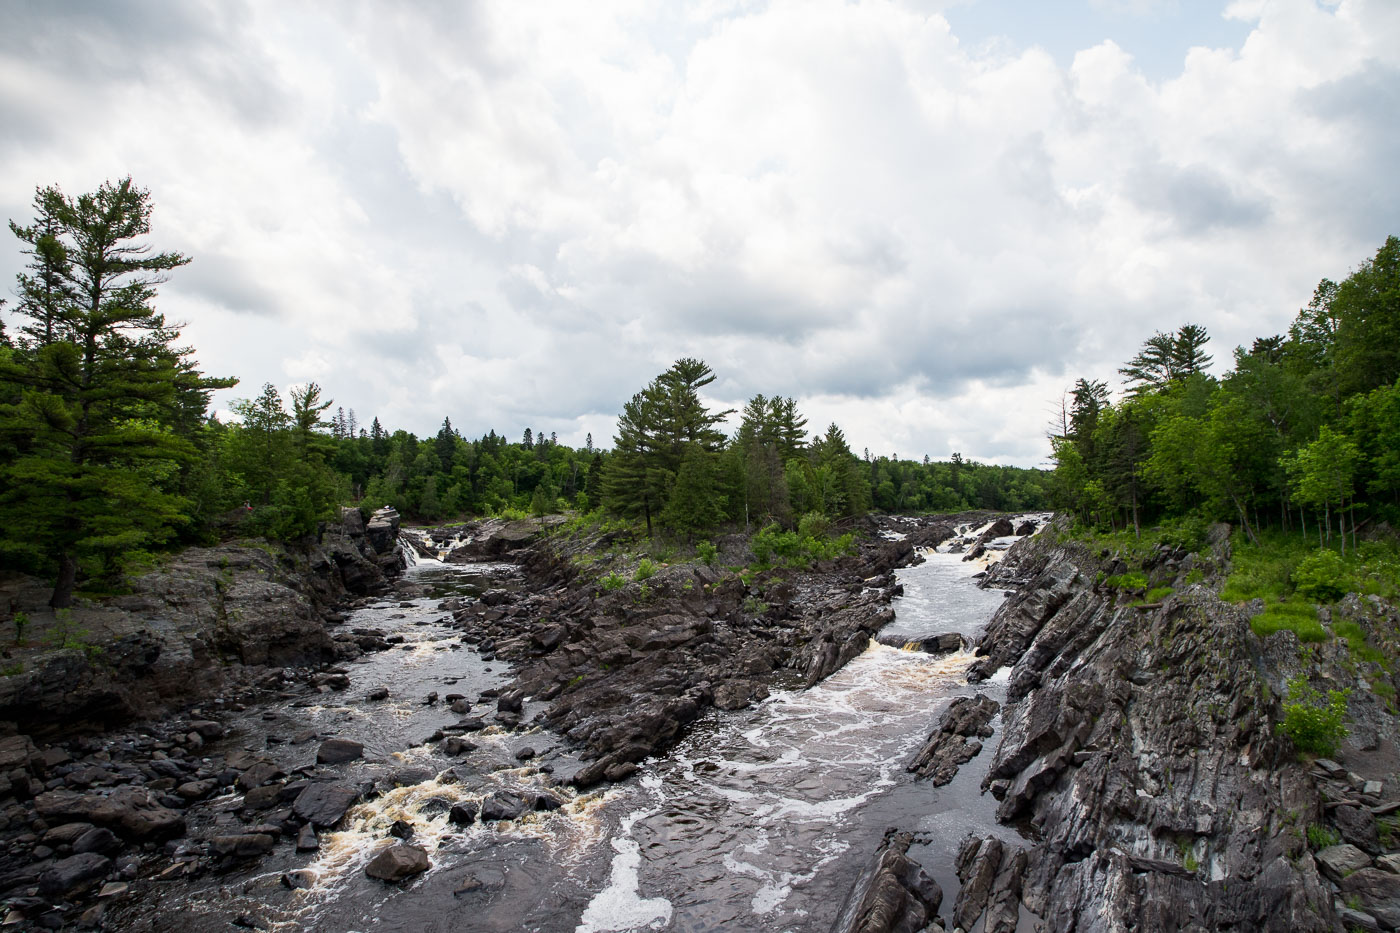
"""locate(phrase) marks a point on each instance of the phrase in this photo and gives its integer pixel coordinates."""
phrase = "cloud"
(519, 214)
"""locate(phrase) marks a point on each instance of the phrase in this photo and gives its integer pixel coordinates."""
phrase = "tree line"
(1302, 433)
(109, 452)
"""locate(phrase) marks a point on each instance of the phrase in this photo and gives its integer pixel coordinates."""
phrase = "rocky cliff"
(1140, 757)
(205, 620)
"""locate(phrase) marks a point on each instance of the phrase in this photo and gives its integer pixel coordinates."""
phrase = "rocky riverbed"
(242, 789)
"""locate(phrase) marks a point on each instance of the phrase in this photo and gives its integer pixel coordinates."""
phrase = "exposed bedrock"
(1139, 751)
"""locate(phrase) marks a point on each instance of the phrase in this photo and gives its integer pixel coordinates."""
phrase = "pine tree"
(102, 398)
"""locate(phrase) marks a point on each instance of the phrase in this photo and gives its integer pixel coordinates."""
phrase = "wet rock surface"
(1139, 747)
(955, 740)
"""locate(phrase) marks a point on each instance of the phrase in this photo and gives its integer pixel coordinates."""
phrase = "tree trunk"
(67, 579)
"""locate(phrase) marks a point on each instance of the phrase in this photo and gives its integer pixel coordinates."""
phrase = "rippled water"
(763, 819)
(758, 819)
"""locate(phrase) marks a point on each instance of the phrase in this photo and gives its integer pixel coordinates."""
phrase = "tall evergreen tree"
(100, 400)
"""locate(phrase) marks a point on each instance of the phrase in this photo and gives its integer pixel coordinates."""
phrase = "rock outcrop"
(205, 620)
(1139, 745)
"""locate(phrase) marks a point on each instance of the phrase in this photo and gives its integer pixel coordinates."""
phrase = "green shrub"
(645, 570)
(1158, 594)
(1321, 577)
(814, 525)
(613, 581)
(1320, 837)
(21, 627)
(1314, 723)
(707, 553)
(1132, 580)
(1188, 531)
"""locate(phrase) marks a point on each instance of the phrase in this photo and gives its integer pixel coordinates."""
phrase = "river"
(758, 819)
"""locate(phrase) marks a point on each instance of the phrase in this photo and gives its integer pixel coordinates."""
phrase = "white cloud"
(517, 214)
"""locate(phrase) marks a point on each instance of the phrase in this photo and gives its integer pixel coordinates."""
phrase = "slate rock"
(1379, 892)
(243, 845)
(323, 805)
(1339, 861)
(398, 862)
(336, 751)
(502, 805)
(74, 872)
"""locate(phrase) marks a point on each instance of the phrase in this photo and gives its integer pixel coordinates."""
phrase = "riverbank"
(1142, 754)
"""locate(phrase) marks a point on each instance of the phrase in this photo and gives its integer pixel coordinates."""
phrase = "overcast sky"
(921, 219)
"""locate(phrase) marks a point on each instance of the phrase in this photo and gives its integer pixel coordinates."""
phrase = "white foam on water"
(620, 906)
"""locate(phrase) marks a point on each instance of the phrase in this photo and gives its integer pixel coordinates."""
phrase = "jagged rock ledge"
(1140, 758)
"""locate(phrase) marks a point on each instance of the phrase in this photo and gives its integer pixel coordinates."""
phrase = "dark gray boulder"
(398, 863)
(323, 805)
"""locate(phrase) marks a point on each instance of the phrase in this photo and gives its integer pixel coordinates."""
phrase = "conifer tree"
(102, 390)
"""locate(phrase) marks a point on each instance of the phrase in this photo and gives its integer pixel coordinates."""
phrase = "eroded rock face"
(894, 894)
(1139, 745)
(194, 626)
(955, 739)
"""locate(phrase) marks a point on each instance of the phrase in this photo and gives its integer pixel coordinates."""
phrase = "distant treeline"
(1302, 433)
(108, 452)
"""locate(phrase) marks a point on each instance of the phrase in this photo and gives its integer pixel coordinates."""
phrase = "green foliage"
(1157, 594)
(1313, 722)
(99, 401)
(645, 570)
(67, 636)
(775, 547)
(1302, 434)
(21, 620)
(754, 606)
(1321, 577)
(1357, 644)
(707, 553)
(1321, 837)
(1132, 580)
(1296, 615)
(613, 581)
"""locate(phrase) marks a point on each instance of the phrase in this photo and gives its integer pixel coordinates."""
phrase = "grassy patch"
(1297, 615)
(1361, 649)
(1132, 580)
(1320, 837)
(1158, 594)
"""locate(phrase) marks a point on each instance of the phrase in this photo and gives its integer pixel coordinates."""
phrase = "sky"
(922, 219)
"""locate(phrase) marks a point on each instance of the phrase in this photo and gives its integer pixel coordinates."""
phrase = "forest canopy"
(1302, 433)
(109, 452)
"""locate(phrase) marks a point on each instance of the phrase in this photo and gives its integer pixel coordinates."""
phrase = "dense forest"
(1302, 434)
(109, 452)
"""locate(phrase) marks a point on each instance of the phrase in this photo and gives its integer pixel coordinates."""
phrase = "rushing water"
(758, 819)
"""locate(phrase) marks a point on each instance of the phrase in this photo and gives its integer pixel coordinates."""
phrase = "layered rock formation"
(205, 619)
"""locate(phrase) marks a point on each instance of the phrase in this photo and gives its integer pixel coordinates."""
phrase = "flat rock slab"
(74, 872)
(131, 812)
(335, 751)
(323, 805)
(397, 863)
(1379, 892)
(1337, 862)
(242, 845)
